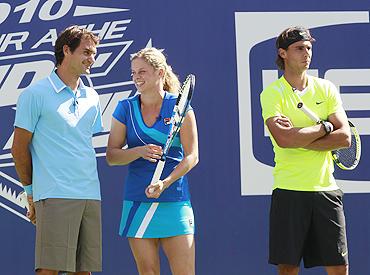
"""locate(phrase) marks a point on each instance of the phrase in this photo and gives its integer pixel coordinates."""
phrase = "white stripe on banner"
(148, 217)
(14, 212)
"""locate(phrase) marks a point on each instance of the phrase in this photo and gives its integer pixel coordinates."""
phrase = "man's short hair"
(72, 37)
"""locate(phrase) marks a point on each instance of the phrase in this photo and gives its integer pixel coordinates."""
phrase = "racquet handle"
(308, 112)
(157, 174)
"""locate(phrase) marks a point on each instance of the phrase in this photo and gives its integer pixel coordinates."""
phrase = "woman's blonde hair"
(157, 59)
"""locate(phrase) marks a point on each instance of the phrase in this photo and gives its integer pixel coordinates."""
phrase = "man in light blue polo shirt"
(55, 160)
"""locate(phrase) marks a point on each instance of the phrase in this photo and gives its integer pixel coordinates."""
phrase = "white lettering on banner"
(101, 33)
(105, 33)
(110, 30)
(87, 10)
(2, 37)
(10, 90)
(11, 38)
(3, 71)
(114, 28)
(352, 77)
(29, 9)
(353, 101)
(256, 177)
(50, 37)
(5, 11)
(45, 10)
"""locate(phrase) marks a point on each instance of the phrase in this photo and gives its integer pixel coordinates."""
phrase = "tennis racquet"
(178, 115)
(345, 158)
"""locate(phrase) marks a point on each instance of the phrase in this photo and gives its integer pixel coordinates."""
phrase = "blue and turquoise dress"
(171, 214)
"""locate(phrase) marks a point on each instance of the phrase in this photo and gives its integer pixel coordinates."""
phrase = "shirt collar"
(290, 88)
(59, 85)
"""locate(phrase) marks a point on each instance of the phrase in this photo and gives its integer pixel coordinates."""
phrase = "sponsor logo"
(27, 37)
(256, 53)
(167, 120)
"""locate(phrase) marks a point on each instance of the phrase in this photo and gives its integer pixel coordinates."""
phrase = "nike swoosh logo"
(319, 102)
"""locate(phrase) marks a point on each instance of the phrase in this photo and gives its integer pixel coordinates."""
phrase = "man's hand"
(31, 213)
(284, 121)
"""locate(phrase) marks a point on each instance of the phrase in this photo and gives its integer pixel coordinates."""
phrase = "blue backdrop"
(229, 46)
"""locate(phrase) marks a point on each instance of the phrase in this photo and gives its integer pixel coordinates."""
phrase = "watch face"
(327, 126)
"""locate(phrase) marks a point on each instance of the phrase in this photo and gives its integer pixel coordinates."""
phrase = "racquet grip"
(308, 112)
(157, 174)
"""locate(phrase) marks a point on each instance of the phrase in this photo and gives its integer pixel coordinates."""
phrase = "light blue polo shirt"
(62, 123)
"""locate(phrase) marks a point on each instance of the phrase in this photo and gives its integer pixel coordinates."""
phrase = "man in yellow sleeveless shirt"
(306, 216)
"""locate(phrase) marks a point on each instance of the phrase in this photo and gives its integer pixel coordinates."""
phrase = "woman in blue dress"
(163, 217)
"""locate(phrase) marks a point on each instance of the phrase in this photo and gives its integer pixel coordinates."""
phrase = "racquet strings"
(348, 157)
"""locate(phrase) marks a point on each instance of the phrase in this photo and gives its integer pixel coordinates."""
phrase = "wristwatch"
(328, 127)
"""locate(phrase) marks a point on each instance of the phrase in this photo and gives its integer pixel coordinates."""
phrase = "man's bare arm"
(287, 136)
(339, 138)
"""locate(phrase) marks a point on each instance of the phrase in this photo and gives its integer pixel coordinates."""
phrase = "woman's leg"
(146, 254)
(180, 252)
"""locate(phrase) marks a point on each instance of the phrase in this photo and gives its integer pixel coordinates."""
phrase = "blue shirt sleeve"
(122, 111)
(28, 110)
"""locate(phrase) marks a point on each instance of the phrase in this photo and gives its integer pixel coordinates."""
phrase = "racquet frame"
(178, 115)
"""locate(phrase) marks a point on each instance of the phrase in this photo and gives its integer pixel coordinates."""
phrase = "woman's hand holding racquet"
(154, 190)
(150, 152)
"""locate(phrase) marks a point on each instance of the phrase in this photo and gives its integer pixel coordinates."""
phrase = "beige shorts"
(68, 235)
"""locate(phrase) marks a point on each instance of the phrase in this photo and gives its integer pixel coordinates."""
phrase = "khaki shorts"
(68, 235)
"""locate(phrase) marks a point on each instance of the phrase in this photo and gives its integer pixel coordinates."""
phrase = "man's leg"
(327, 242)
(57, 229)
(46, 272)
(290, 221)
(337, 270)
(89, 247)
(284, 269)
